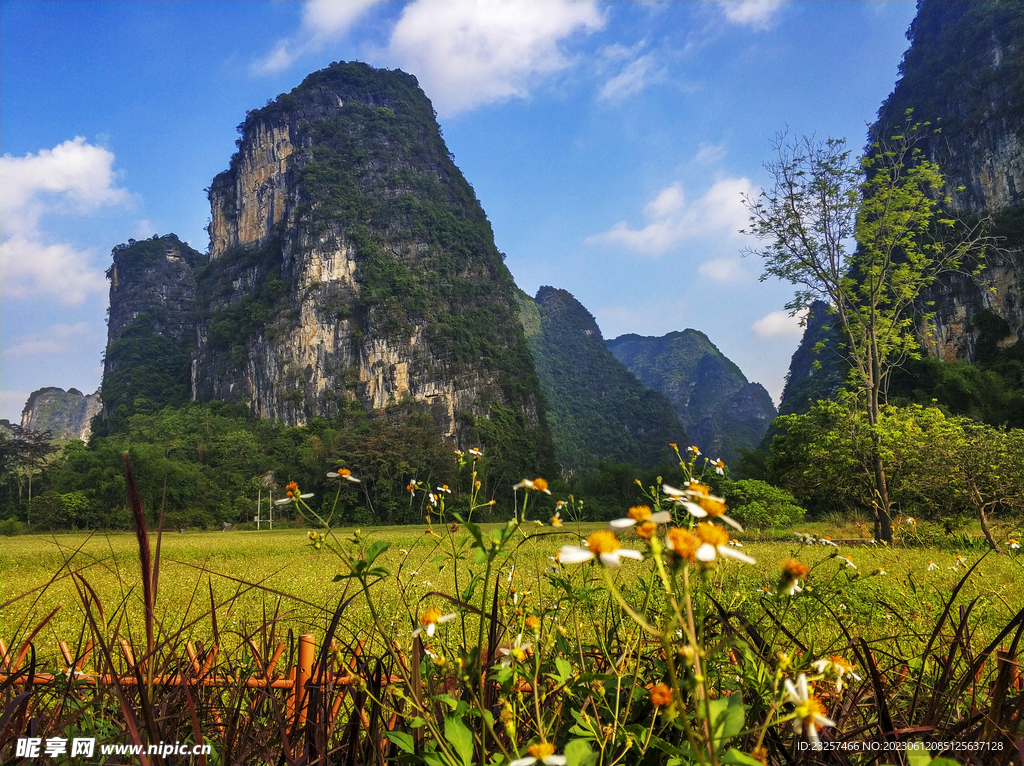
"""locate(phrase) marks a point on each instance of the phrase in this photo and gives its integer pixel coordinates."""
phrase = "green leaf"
(578, 753)
(403, 740)
(918, 755)
(736, 757)
(460, 737)
(564, 669)
(375, 550)
(727, 717)
(448, 700)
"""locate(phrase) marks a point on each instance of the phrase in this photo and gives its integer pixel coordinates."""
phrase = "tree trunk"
(988, 532)
(883, 513)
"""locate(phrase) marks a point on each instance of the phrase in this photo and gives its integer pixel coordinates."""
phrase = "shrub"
(756, 503)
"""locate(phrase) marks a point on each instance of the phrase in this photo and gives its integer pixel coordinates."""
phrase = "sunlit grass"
(256, 577)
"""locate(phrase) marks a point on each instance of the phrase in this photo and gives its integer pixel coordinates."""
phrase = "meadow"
(254, 574)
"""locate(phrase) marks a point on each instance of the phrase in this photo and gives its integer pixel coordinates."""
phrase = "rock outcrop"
(598, 410)
(66, 414)
(720, 409)
(350, 264)
(964, 74)
(151, 328)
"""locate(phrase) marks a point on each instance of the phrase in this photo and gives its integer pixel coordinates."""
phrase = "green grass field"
(253, 578)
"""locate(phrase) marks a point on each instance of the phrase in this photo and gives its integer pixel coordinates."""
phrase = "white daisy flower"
(809, 710)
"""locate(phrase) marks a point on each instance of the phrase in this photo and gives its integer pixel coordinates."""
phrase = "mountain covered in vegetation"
(65, 414)
(721, 410)
(350, 266)
(964, 74)
(598, 410)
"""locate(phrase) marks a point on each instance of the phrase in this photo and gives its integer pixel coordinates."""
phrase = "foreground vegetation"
(667, 640)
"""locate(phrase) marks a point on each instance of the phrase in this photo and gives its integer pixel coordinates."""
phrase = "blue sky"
(609, 143)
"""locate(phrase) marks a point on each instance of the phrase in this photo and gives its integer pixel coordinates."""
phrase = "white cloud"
(709, 154)
(672, 220)
(779, 324)
(468, 54)
(634, 77)
(758, 14)
(31, 267)
(465, 54)
(72, 177)
(73, 172)
(58, 337)
(723, 270)
(323, 22)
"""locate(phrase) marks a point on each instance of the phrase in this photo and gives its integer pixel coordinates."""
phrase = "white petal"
(308, 494)
(555, 760)
(671, 491)
(446, 617)
(528, 761)
(731, 522)
(431, 628)
(283, 502)
(629, 553)
(571, 554)
(661, 517)
(733, 554)
(332, 474)
(694, 509)
(621, 523)
(794, 698)
(706, 552)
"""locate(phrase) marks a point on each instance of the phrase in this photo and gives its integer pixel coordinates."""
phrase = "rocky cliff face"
(721, 411)
(151, 328)
(350, 264)
(67, 414)
(964, 72)
(598, 410)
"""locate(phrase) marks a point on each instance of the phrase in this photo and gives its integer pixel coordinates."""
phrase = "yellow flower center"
(661, 695)
(540, 485)
(533, 622)
(603, 541)
(841, 664)
(647, 530)
(711, 534)
(810, 709)
(683, 542)
(292, 486)
(541, 750)
(639, 513)
(519, 654)
(712, 505)
(795, 569)
(699, 489)
(430, 617)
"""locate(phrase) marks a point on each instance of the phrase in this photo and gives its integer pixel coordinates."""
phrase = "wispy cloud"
(758, 14)
(671, 219)
(634, 70)
(709, 154)
(73, 177)
(723, 270)
(779, 324)
(323, 22)
(57, 338)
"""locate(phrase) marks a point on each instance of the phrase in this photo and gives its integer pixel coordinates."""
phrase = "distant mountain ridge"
(720, 409)
(597, 409)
